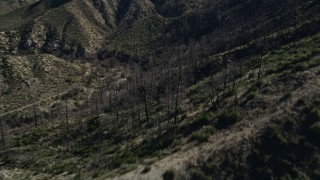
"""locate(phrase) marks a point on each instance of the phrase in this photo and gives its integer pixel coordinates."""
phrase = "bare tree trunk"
(260, 68)
(101, 95)
(226, 74)
(146, 105)
(35, 118)
(59, 113)
(116, 102)
(88, 101)
(168, 107)
(139, 115)
(296, 15)
(2, 134)
(67, 126)
(212, 89)
(110, 100)
(178, 89)
(152, 78)
(217, 99)
(41, 117)
(96, 105)
(159, 127)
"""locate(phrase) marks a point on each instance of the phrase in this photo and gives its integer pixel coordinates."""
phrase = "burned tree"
(178, 87)
(35, 117)
(67, 125)
(2, 134)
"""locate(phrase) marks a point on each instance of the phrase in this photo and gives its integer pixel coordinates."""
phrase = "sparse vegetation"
(103, 89)
(228, 118)
(203, 135)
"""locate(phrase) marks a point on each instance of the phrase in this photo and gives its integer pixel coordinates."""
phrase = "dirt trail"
(230, 138)
(78, 82)
(32, 104)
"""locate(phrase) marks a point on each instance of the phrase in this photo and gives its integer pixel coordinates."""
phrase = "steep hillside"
(160, 89)
(11, 5)
(27, 79)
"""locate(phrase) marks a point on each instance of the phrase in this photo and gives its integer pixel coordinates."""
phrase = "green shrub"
(252, 95)
(198, 123)
(204, 119)
(230, 93)
(199, 175)
(228, 118)
(286, 95)
(72, 93)
(314, 114)
(203, 135)
(168, 175)
(315, 128)
(275, 136)
(93, 123)
(301, 67)
(127, 158)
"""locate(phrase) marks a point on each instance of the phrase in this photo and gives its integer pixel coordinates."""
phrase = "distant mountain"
(84, 28)
(11, 5)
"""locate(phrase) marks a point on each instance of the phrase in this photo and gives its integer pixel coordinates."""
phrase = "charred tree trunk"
(110, 100)
(67, 126)
(226, 73)
(35, 118)
(260, 68)
(96, 106)
(2, 134)
(178, 89)
(116, 102)
(146, 108)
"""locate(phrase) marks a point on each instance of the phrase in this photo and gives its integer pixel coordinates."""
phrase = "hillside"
(160, 89)
(8, 6)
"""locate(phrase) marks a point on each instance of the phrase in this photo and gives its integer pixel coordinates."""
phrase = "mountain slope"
(114, 25)
(160, 89)
(8, 6)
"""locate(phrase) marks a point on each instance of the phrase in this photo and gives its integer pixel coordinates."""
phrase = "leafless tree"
(35, 117)
(178, 87)
(67, 125)
(2, 134)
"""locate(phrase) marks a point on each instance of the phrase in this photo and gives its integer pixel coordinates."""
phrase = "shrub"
(286, 95)
(252, 95)
(93, 123)
(276, 137)
(314, 114)
(228, 118)
(72, 93)
(198, 124)
(230, 93)
(301, 67)
(168, 175)
(198, 174)
(127, 158)
(203, 135)
(315, 128)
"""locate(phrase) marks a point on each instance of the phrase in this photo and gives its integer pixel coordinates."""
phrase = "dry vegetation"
(136, 92)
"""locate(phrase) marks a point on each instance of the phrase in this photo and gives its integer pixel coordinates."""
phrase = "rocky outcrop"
(36, 39)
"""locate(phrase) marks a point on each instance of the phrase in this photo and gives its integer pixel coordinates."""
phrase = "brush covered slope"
(8, 6)
(160, 89)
